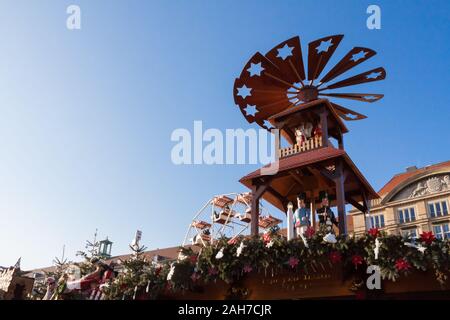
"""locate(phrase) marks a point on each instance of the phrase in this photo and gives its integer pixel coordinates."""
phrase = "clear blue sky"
(86, 116)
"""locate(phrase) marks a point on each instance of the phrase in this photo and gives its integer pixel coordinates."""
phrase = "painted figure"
(318, 131)
(307, 129)
(301, 215)
(299, 137)
(326, 218)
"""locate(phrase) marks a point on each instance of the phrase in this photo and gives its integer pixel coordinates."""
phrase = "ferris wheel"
(226, 215)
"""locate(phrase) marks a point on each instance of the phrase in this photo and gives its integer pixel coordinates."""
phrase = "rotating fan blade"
(319, 53)
(354, 57)
(253, 100)
(368, 76)
(364, 97)
(287, 56)
(347, 114)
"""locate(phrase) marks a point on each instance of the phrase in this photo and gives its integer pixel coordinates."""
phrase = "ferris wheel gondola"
(226, 215)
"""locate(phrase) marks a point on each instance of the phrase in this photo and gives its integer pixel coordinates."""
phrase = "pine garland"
(231, 260)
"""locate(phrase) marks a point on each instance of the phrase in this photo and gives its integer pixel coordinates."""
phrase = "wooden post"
(366, 213)
(340, 198)
(254, 226)
(324, 124)
(341, 140)
(313, 213)
(257, 192)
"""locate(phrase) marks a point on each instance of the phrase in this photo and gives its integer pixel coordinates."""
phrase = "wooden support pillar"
(366, 204)
(340, 198)
(313, 213)
(254, 227)
(341, 140)
(324, 124)
(257, 191)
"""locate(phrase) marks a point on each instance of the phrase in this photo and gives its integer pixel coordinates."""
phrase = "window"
(442, 231)
(409, 233)
(377, 221)
(438, 209)
(406, 215)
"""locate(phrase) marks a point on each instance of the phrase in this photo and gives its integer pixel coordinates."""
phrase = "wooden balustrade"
(310, 144)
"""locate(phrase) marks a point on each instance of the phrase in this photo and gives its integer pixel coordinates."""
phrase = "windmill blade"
(287, 56)
(354, 57)
(347, 114)
(364, 97)
(368, 76)
(319, 53)
(261, 71)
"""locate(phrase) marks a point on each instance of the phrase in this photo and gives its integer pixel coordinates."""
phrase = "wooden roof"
(300, 173)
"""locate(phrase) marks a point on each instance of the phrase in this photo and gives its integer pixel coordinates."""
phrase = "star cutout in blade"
(267, 124)
(244, 92)
(255, 69)
(373, 75)
(285, 52)
(250, 110)
(358, 56)
(324, 46)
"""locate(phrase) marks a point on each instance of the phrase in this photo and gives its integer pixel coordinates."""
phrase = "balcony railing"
(310, 144)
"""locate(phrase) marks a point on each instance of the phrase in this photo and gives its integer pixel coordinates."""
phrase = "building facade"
(412, 202)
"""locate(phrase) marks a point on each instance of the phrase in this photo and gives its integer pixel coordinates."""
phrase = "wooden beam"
(324, 123)
(340, 198)
(356, 204)
(297, 179)
(277, 195)
(258, 189)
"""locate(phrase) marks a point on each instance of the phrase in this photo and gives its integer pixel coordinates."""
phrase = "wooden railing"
(312, 143)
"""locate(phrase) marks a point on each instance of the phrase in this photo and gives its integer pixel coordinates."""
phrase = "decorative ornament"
(293, 262)
(357, 260)
(305, 242)
(233, 241)
(135, 291)
(239, 249)
(266, 237)
(195, 276)
(270, 244)
(309, 233)
(427, 237)
(193, 259)
(376, 250)
(247, 268)
(219, 254)
(402, 265)
(171, 272)
(212, 271)
(182, 256)
(415, 246)
(330, 238)
(335, 257)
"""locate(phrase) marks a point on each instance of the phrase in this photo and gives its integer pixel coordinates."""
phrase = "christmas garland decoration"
(229, 260)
